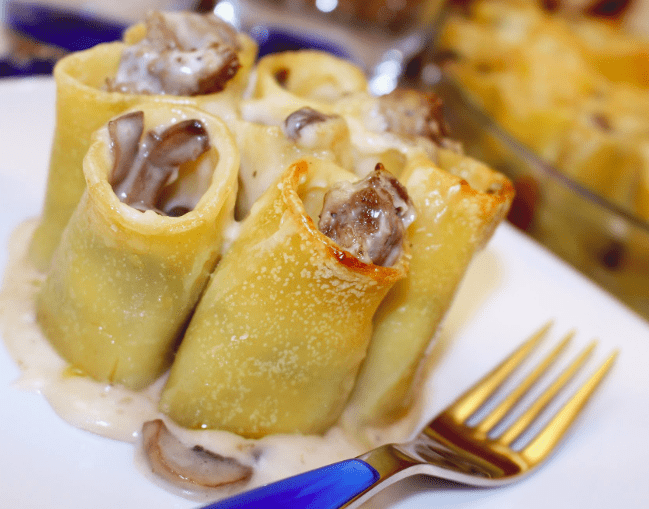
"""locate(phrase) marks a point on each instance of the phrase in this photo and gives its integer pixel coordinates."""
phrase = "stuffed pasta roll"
(93, 86)
(458, 208)
(288, 81)
(277, 339)
(140, 245)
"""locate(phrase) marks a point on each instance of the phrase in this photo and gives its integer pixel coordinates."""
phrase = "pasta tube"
(457, 212)
(288, 81)
(276, 341)
(84, 104)
(124, 281)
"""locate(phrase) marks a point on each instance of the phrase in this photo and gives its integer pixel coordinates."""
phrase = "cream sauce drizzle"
(118, 413)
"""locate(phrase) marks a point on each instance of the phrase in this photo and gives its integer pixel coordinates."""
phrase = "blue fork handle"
(325, 488)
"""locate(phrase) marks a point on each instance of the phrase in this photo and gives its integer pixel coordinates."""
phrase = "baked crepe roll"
(277, 339)
(126, 276)
(84, 104)
(457, 212)
(285, 82)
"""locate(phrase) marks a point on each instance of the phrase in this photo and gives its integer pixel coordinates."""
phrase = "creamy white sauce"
(118, 413)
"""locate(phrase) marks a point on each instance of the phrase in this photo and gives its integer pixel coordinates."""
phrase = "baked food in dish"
(124, 282)
(571, 86)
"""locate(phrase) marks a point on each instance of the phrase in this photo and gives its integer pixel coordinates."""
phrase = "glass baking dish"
(603, 241)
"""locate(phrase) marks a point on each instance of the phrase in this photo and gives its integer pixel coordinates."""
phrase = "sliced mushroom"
(368, 218)
(182, 54)
(316, 131)
(143, 169)
(125, 133)
(188, 467)
(300, 119)
(412, 113)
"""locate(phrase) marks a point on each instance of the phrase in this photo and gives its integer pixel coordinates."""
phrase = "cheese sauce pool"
(118, 413)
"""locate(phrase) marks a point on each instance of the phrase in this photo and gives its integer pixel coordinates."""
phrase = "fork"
(450, 447)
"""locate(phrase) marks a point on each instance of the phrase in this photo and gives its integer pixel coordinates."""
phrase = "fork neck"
(443, 438)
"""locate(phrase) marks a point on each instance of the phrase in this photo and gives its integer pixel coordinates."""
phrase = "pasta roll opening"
(369, 218)
(160, 170)
(286, 82)
(310, 75)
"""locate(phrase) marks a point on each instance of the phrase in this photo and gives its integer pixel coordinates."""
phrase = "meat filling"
(369, 218)
(182, 54)
(144, 166)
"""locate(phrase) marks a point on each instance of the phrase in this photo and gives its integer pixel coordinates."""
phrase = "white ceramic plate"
(512, 288)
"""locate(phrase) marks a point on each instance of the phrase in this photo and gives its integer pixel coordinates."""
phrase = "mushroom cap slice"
(188, 467)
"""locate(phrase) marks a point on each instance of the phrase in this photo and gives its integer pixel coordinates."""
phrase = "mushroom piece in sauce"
(188, 467)
(144, 167)
(182, 54)
(312, 129)
(300, 119)
(369, 218)
(412, 114)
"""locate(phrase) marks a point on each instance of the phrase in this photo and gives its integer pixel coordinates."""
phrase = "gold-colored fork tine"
(546, 440)
(504, 407)
(523, 422)
(477, 395)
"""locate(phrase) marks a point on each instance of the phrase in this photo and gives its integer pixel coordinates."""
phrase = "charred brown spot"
(602, 122)
(484, 67)
(281, 76)
(494, 188)
(612, 256)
